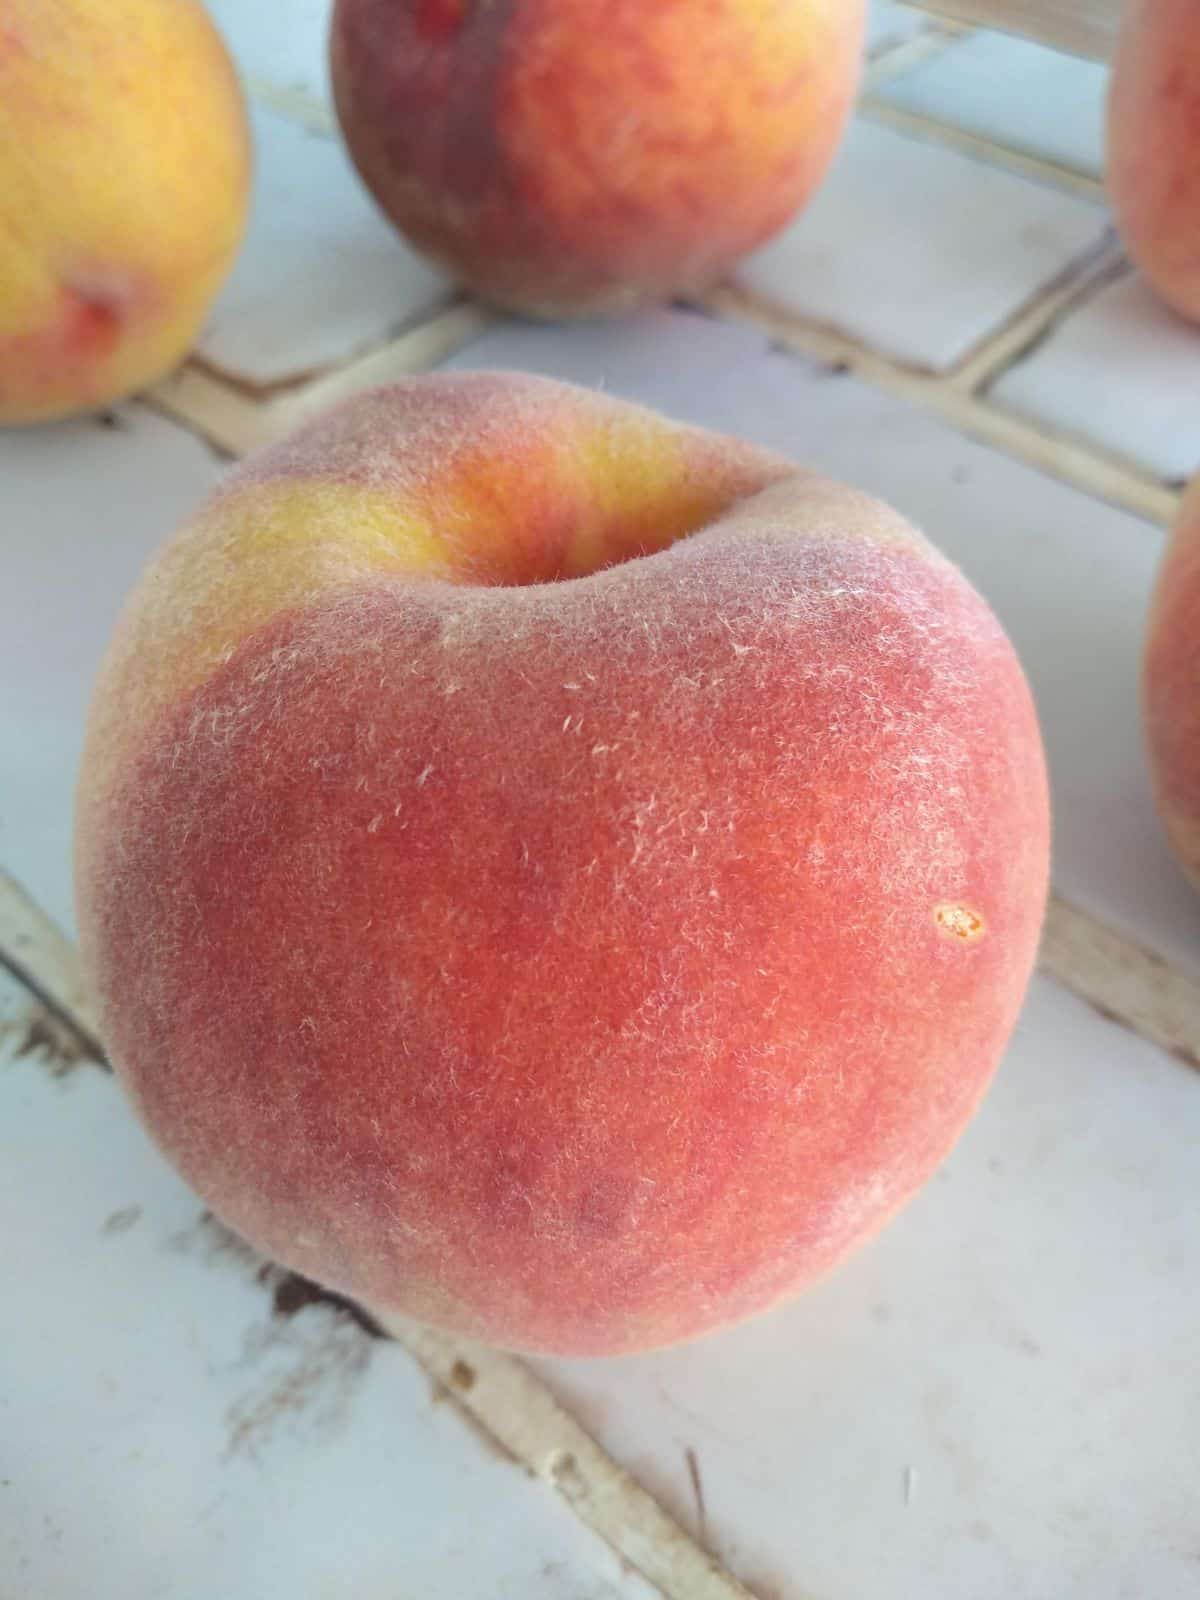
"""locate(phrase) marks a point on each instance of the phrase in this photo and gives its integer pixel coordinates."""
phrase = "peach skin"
(551, 871)
(124, 179)
(1154, 146)
(571, 157)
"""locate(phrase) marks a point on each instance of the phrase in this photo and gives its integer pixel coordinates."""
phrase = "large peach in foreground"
(582, 156)
(124, 175)
(553, 872)
(1171, 686)
(1154, 146)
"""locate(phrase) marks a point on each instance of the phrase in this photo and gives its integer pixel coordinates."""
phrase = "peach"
(568, 157)
(553, 872)
(124, 175)
(1154, 146)
(1171, 686)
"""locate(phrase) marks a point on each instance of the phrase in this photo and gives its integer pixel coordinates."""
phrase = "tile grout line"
(1039, 446)
(933, 130)
(1125, 981)
(1063, 27)
(207, 404)
(39, 955)
(296, 105)
(418, 349)
(1039, 317)
(893, 60)
(519, 1410)
(211, 405)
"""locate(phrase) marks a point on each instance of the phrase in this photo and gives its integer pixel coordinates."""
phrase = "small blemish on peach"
(960, 922)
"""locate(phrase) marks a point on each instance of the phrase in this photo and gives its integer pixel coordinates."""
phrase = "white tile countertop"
(321, 276)
(74, 539)
(1151, 414)
(918, 250)
(998, 1398)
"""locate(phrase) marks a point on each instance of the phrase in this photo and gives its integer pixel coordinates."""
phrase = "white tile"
(889, 24)
(919, 250)
(1018, 94)
(82, 505)
(1123, 372)
(284, 44)
(165, 1434)
(998, 1396)
(1068, 576)
(322, 274)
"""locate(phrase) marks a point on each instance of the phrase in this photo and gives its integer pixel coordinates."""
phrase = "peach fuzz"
(1171, 686)
(124, 182)
(1154, 146)
(566, 157)
(553, 872)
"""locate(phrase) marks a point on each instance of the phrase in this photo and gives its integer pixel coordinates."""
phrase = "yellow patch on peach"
(124, 179)
(604, 485)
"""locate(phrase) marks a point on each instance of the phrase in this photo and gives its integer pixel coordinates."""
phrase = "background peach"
(1154, 146)
(124, 172)
(577, 964)
(565, 156)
